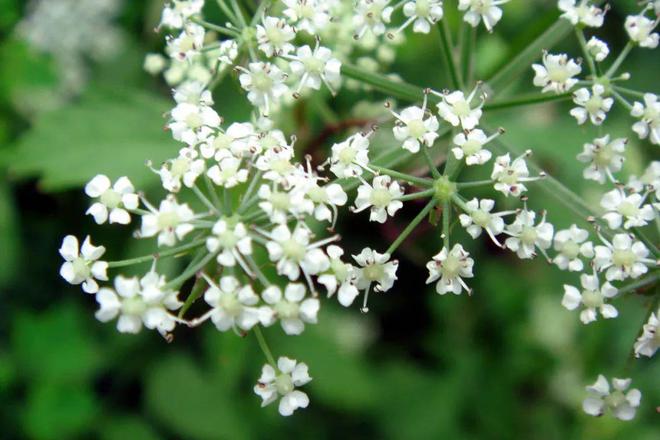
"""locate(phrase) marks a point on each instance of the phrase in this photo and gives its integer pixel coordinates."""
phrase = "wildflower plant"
(255, 220)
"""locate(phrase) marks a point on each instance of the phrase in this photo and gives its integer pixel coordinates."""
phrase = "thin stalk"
(529, 99)
(475, 184)
(238, 12)
(623, 101)
(200, 195)
(647, 242)
(214, 27)
(468, 44)
(429, 160)
(264, 346)
(417, 195)
(403, 176)
(263, 5)
(157, 255)
(411, 226)
(446, 47)
(583, 44)
(250, 189)
(190, 271)
(389, 87)
(617, 63)
(630, 92)
(211, 189)
(228, 12)
(195, 294)
(257, 271)
(646, 281)
(446, 213)
(460, 203)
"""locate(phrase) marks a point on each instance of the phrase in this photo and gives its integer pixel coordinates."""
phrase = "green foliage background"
(508, 362)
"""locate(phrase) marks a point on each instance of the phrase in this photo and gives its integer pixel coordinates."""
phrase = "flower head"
(113, 201)
(582, 12)
(381, 197)
(649, 118)
(622, 404)
(282, 383)
(171, 222)
(604, 157)
(486, 10)
(82, 265)
(591, 105)
(525, 237)
(232, 305)
(291, 307)
(449, 268)
(571, 244)
(592, 298)
(622, 258)
(649, 341)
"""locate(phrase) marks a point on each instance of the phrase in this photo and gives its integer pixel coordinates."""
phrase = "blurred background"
(508, 362)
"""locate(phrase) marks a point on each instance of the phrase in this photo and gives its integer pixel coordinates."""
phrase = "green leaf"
(8, 235)
(57, 411)
(54, 346)
(127, 427)
(109, 131)
(192, 402)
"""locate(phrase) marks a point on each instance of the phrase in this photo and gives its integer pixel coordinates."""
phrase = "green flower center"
(416, 128)
(623, 258)
(380, 198)
(528, 235)
(111, 198)
(293, 250)
(284, 384)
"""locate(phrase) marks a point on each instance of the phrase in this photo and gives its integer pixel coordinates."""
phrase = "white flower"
(510, 176)
(594, 106)
(177, 12)
(422, 14)
(598, 49)
(282, 383)
(571, 244)
(603, 158)
(187, 167)
(375, 268)
(238, 139)
(231, 241)
(325, 198)
(264, 83)
(592, 298)
(486, 10)
(371, 15)
(190, 120)
(226, 53)
(315, 67)
(137, 302)
(456, 109)
(620, 206)
(232, 305)
(413, 129)
(274, 36)
(649, 118)
(276, 163)
(382, 196)
(308, 15)
(622, 258)
(649, 341)
(339, 278)
(525, 237)
(623, 405)
(450, 267)
(556, 74)
(350, 157)
(187, 44)
(228, 172)
(582, 12)
(279, 205)
(471, 146)
(479, 217)
(114, 201)
(292, 251)
(291, 308)
(82, 266)
(154, 63)
(640, 31)
(171, 222)
(193, 92)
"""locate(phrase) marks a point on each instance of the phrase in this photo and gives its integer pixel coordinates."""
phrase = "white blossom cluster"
(251, 195)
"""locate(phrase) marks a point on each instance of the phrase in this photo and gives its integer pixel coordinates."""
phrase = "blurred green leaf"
(109, 131)
(57, 411)
(9, 238)
(127, 427)
(192, 402)
(55, 346)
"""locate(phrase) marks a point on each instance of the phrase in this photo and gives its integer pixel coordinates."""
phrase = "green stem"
(617, 63)
(211, 189)
(195, 294)
(623, 101)
(446, 213)
(190, 271)
(250, 189)
(646, 281)
(228, 12)
(583, 44)
(214, 27)
(468, 43)
(257, 271)
(389, 87)
(460, 203)
(429, 160)
(403, 176)
(446, 47)
(156, 255)
(630, 92)
(264, 346)
(475, 184)
(200, 195)
(417, 195)
(529, 99)
(411, 226)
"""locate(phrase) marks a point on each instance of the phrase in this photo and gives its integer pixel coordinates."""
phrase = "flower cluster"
(236, 189)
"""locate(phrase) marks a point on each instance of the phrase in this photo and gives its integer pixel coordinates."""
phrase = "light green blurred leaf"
(192, 402)
(109, 131)
(54, 346)
(58, 411)
(127, 427)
